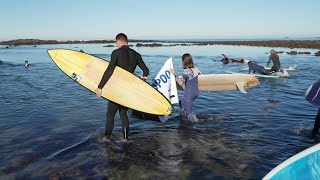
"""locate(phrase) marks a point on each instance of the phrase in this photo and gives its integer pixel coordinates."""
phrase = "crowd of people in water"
(254, 67)
(312, 94)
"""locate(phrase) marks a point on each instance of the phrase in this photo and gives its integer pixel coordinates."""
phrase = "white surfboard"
(226, 82)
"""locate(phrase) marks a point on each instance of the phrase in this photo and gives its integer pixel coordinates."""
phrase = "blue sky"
(165, 19)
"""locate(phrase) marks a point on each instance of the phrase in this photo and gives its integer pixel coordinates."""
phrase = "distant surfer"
(226, 60)
(81, 51)
(127, 59)
(191, 91)
(26, 63)
(254, 67)
(276, 61)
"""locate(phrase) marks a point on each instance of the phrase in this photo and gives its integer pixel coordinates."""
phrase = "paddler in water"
(226, 60)
(276, 61)
(127, 59)
(26, 63)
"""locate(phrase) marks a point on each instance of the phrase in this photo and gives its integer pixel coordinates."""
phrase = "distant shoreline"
(308, 44)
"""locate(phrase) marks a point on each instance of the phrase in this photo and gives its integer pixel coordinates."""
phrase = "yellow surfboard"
(123, 87)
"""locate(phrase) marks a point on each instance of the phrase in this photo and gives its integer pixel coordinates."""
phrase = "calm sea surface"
(52, 127)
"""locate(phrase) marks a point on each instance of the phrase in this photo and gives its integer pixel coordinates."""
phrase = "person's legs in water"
(182, 105)
(316, 126)
(190, 93)
(124, 121)
(111, 112)
(188, 106)
(274, 68)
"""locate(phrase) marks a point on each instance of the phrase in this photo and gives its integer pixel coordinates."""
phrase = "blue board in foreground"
(304, 165)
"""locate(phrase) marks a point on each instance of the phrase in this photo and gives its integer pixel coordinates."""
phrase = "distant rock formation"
(304, 52)
(317, 53)
(292, 52)
(109, 45)
(312, 44)
(149, 45)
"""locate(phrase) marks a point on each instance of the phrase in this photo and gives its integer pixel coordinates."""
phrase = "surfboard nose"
(52, 53)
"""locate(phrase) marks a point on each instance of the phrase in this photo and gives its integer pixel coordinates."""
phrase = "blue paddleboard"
(302, 166)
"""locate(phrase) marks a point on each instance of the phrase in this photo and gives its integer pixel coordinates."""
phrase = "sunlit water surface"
(51, 127)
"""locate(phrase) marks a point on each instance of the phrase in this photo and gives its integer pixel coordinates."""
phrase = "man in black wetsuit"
(127, 59)
(254, 67)
(276, 61)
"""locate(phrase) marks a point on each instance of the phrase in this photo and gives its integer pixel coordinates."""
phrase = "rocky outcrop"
(149, 45)
(109, 45)
(304, 52)
(292, 52)
(317, 53)
(310, 44)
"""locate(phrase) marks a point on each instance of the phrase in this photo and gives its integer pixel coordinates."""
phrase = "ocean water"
(51, 127)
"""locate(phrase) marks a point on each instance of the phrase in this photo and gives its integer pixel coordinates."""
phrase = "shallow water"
(51, 127)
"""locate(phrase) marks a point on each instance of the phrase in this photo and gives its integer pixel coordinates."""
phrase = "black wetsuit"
(127, 59)
(276, 62)
(256, 68)
(225, 60)
(316, 126)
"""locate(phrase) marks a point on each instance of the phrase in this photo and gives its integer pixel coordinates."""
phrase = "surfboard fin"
(240, 86)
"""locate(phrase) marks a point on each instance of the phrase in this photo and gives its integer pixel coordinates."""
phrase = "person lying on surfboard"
(254, 67)
(191, 91)
(226, 60)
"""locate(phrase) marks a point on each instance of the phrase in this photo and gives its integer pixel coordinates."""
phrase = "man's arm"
(270, 58)
(107, 74)
(143, 66)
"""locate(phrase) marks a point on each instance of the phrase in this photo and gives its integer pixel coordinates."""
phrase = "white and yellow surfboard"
(123, 87)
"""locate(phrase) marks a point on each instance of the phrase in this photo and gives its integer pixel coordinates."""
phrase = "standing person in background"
(276, 61)
(191, 91)
(127, 59)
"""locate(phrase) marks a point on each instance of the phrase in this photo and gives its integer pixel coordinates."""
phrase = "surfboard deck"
(304, 165)
(123, 87)
(256, 75)
(225, 82)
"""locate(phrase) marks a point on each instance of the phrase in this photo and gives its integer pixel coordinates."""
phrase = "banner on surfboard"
(165, 82)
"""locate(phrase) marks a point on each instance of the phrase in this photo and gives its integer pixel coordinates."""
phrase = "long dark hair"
(187, 61)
